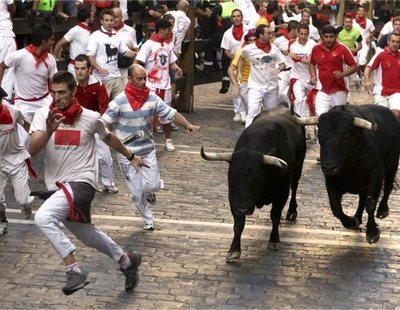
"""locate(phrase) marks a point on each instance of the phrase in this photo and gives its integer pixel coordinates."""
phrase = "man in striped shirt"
(133, 110)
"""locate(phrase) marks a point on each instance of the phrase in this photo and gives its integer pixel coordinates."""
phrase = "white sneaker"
(169, 146)
(149, 225)
(3, 227)
(111, 189)
(243, 118)
(237, 117)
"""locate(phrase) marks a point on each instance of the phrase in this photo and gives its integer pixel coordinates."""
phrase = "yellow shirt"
(245, 67)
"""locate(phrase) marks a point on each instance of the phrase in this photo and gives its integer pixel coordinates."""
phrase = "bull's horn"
(275, 161)
(306, 120)
(215, 156)
(362, 123)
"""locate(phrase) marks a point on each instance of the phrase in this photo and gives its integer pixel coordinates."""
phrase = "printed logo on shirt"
(67, 139)
(111, 52)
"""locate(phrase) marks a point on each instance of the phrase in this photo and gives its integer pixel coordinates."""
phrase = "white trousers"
(19, 177)
(258, 98)
(105, 162)
(8, 46)
(55, 210)
(244, 95)
(283, 82)
(238, 104)
(142, 182)
(391, 102)
(362, 54)
(325, 102)
(300, 91)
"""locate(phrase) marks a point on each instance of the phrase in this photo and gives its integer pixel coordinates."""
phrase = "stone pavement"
(320, 264)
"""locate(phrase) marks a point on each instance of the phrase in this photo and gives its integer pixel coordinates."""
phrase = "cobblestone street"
(320, 263)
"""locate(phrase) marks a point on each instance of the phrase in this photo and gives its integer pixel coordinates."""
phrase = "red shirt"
(390, 67)
(328, 61)
(93, 96)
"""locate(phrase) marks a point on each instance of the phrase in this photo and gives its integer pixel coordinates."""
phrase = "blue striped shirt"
(125, 121)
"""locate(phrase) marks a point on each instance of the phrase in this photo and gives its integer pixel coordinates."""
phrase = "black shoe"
(223, 90)
(75, 281)
(131, 273)
(151, 198)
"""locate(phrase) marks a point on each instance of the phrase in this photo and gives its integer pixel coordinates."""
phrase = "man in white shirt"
(33, 67)
(367, 28)
(77, 38)
(7, 39)
(181, 25)
(300, 86)
(127, 35)
(232, 40)
(103, 49)
(264, 58)
(306, 19)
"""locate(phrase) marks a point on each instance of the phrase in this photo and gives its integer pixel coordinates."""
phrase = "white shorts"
(392, 102)
(324, 102)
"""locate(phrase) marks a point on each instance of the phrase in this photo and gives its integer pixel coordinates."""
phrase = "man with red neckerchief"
(266, 62)
(66, 132)
(134, 110)
(127, 35)
(158, 58)
(103, 49)
(386, 68)
(13, 157)
(327, 71)
(232, 40)
(33, 67)
(77, 38)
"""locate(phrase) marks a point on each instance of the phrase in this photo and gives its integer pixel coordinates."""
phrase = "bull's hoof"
(381, 214)
(274, 246)
(353, 224)
(291, 216)
(233, 257)
(373, 238)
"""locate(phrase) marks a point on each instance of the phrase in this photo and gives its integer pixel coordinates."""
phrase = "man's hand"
(54, 119)
(368, 87)
(192, 128)
(102, 71)
(138, 162)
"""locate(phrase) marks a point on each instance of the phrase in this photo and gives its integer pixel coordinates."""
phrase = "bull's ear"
(305, 120)
(362, 123)
(215, 156)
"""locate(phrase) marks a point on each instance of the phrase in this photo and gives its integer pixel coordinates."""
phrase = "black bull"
(358, 160)
(266, 163)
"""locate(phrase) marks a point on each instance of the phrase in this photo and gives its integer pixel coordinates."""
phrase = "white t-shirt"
(301, 71)
(365, 32)
(181, 26)
(229, 43)
(283, 44)
(12, 150)
(105, 48)
(30, 81)
(127, 35)
(263, 72)
(157, 57)
(70, 154)
(314, 34)
(6, 26)
(78, 38)
(387, 28)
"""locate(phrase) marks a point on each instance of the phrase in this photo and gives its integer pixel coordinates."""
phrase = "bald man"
(133, 110)
(181, 25)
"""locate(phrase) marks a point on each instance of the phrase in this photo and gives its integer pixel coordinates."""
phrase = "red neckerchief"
(72, 112)
(237, 32)
(39, 58)
(156, 38)
(120, 26)
(265, 47)
(85, 26)
(361, 21)
(5, 115)
(286, 35)
(262, 14)
(106, 32)
(269, 18)
(136, 96)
